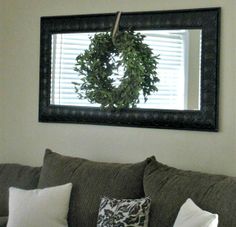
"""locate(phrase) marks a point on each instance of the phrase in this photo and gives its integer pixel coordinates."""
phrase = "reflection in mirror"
(179, 69)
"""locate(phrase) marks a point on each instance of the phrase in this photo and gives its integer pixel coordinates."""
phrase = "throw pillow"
(124, 212)
(91, 181)
(190, 215)
(169, 188)
(39, 207)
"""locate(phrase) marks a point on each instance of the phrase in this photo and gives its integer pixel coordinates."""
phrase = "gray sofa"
(15, 175)
(167, 187)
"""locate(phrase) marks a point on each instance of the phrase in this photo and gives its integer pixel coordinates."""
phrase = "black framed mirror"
(187, 42)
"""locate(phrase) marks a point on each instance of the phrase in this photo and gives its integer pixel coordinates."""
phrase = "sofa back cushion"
(169, 188)
(3, 221)
(91, 181)
(15, 175)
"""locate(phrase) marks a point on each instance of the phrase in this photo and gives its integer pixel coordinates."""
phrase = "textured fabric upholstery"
(3, 221)
(15, 175)
(91, 181)
(169, 188)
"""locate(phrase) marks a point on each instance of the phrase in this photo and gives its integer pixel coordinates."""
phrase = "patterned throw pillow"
(124, 212)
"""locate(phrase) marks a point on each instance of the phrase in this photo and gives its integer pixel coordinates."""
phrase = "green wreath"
(99, 62)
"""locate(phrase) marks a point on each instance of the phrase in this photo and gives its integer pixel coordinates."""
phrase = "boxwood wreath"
(99, 63)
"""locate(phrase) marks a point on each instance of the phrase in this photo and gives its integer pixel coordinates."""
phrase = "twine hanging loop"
(116, 26)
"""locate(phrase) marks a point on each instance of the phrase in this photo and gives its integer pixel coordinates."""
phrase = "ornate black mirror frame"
(205, 119)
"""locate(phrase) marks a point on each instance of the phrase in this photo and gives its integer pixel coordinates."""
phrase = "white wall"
(25, 139)
(1, 73)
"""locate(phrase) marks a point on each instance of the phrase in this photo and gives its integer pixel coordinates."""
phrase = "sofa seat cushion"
(91, 181)
(3, 221)
(15, 175)
(169, 188)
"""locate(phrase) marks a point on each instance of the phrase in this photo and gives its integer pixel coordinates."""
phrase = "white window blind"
(169, 44)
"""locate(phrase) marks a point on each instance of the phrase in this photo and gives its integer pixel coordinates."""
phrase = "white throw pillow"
(190, 215)
(40, 207)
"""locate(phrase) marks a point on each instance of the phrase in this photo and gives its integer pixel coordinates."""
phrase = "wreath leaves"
(99, 62)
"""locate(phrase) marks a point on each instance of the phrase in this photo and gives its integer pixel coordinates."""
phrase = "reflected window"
(179, 84)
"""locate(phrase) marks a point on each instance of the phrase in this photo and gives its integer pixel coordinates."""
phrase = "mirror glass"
(179, 69)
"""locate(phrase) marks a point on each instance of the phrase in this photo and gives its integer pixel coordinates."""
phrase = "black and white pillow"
(124, 212)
